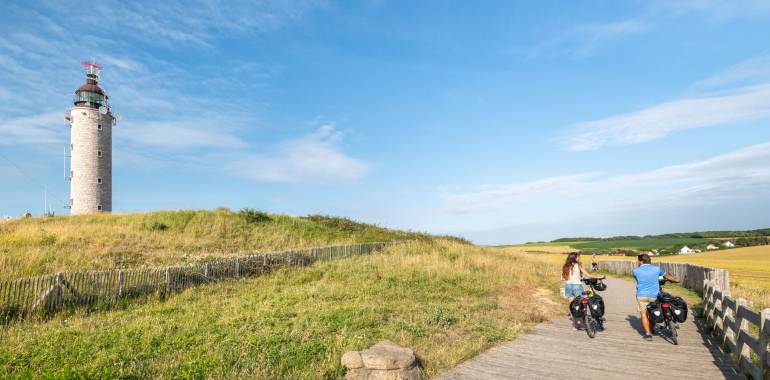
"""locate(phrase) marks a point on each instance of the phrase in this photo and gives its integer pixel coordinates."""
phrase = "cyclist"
(571, 273)
(648, 288)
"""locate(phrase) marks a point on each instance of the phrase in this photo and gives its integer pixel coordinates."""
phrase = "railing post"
(764, 339)
(741, 325)
(121, 282)
(168, 280)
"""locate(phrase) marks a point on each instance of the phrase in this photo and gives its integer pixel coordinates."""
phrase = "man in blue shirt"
(648, 288)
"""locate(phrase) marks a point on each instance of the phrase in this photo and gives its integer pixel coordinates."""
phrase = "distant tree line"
(749, 234)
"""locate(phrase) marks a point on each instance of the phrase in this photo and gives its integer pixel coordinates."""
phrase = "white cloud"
(495, 196)
(656, 122)
(750, 71)
(720, 10)
(196, 22)
(583, 40)
(180, 134)
(743, 172)
(44, 128)
(313, 158)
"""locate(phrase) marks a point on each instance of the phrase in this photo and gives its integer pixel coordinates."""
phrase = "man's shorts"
(643, 302)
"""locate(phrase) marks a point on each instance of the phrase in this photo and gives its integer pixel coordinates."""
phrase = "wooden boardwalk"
(554, 351)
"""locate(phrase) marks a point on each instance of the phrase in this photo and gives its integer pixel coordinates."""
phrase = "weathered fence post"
(237, 267)
(168, 280)
(207, 270)
(121, 282)
(741, 327)
(764, 340)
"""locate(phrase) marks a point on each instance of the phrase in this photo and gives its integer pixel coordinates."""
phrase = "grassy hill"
(445, 299)
(46, 245)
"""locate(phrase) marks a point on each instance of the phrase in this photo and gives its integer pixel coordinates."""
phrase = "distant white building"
(686, 250)
(728, 244)
(711, 247)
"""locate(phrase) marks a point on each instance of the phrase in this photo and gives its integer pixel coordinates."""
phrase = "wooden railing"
(46, 294)
(733, 323)
(690, 276)
(737, 328)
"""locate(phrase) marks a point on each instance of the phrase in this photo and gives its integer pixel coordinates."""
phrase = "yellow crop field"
(749, 269)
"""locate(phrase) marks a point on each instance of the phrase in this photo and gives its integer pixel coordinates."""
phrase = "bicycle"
(588, 309)
(665, 313)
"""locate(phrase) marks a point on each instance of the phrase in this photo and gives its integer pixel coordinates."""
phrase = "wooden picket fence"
(737, 328)
(43, 295)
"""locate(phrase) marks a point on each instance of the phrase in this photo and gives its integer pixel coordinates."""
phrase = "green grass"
(446, 300)
(105, 241)
(637, 244)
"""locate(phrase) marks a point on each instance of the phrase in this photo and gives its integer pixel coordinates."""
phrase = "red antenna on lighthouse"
(93, 69)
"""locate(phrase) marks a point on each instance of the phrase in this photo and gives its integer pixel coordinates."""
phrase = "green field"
(636, 244)
(446, 300)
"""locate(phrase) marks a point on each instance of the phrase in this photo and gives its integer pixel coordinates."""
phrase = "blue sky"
(499, 121)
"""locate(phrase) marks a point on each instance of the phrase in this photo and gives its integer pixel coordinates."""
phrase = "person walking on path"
(648, 288)
(594, 263)
(572, 273)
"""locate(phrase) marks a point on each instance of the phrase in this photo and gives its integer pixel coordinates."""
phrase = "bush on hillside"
(157, 226)
(337, 223)
(253, 216)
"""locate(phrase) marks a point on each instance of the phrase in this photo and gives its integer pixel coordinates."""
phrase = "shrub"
(333, 222)
(253, 216)
(158, 226)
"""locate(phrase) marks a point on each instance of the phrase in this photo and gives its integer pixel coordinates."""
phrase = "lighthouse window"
(99, 207)
(99, 153)
(99, 127)
(99, 181)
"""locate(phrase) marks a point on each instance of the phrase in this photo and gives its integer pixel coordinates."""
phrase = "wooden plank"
(747, 367)
(763, 341)
(729, 302)
(751, 316)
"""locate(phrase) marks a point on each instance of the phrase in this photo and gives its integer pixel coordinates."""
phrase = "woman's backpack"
(576, 309)
(596, 304)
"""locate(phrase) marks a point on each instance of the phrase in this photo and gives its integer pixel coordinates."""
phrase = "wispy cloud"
(739, 173)
(583, 40)
(181, 134)
(196, 22)
(719, 10)
(45, 128)
(313, 158)
(755, 70)
(656, 122)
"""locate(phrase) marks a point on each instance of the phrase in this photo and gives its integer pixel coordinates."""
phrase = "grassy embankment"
(47, 245)
(446, 300)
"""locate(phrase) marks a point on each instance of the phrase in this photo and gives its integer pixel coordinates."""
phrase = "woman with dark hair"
(572, 273)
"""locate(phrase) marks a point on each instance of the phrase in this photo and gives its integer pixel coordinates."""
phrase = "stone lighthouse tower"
(91, 122)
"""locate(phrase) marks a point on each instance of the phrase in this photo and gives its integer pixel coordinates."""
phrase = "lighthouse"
(91, 121)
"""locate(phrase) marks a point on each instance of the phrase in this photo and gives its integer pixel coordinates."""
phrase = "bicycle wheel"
(590, 325)
(672, 330)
